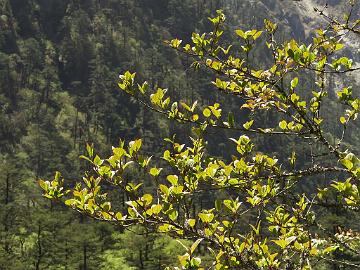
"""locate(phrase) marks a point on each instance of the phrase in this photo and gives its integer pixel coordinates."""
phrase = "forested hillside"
(58, 72)
(59, 67)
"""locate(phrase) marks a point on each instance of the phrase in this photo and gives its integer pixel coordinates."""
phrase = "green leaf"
(175, 43)
(191, 222)
(167, 155)
(248, 124)
(318, 121)
(90, 150)
(86, 158)
(44, 185)
(156, 208)
(118, 216)
(294, 82)
(281, 243)
(173, 179)
(106, 206)
(294, 98)
(241, 33)
(257, 35)
(172, 214)
(206, 217)
(292, 158)
(347, 163)
(195, 262)
(71, 202)
(339, 46)
(155, 171)
(206, 112)
(343, 120)
(142, 88)
(194, 117)
(118, 152)
(283, 124)
(231, 120)
(134, 146)
(195, 245)
(270, 26)
(164, 189)
(97, 160)
(147, 198)
(215, 110)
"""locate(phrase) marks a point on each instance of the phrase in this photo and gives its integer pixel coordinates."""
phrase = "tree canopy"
(254, 206)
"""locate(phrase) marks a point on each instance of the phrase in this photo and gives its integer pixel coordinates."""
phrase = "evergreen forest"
(60, 62)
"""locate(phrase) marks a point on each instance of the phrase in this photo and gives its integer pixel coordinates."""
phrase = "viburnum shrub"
(257, 214)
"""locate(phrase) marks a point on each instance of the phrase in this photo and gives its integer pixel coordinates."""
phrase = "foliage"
(58, 63)
(257, 216)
